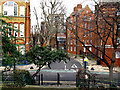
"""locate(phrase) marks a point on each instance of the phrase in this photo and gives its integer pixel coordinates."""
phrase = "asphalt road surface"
(67, 72)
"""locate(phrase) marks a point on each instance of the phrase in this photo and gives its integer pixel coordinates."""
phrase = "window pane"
(83, 33)
(22, 10)
(90, 48)
(21, 30)
(84, 49)
(84, 41)
(10, 3)
(71, 48)
(117, 54)
(16, 28)
(88, 33)
(22, 49)
(71, 41)
(10, 30)
(9, 9)
(15, 11)
(74, 48)
(83, 25)
(5, 12)
(87, 41)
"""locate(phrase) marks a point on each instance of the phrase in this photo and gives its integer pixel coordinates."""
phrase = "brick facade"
(80, 23)
(21, 19)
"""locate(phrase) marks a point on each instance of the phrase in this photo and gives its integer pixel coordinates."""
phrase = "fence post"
(58, 79)
(77, 83)
(41, 79)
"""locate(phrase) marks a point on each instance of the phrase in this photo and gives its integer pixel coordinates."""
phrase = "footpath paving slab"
(97, 68)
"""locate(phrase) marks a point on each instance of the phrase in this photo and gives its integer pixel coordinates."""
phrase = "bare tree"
(51, 13)
(106, 30)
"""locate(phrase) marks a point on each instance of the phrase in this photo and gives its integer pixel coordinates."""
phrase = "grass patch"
(39, 89)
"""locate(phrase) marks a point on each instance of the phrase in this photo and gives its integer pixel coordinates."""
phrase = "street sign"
(74, 66)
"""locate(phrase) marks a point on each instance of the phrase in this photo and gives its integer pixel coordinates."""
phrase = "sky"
(70, 4)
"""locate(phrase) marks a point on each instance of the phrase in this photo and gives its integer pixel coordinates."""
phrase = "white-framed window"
(74, 27)
(117, 54)
(68, 48)
(83, 25)
(71, 41)
(71, 48)
(10, 8)
(87, 25)
(21, 30)
(71, 27)
(68, 34)
(17, 47)
(71, 19)
(90, 48)
(84, 49)
(74, 42)
(74, 49)
(16, 28)
(91, 25)
(71, 34)
(84, 34)
(118, 40)
(89, 18)
(10, 30)
(87, 11)
(84, 41)
(90, 41)
(0, 9)
(22, 49)
(88, 33)
(22, 10)
(74, 19)
(68, 42)
(87, 41)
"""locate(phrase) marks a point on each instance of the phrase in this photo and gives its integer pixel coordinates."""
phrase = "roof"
(109, 0)
(15, 0)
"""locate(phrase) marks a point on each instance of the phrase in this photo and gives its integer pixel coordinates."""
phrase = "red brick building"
(18, 13)
(109, 24)
(80, 23)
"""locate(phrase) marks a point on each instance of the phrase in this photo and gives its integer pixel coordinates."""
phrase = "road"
(67, 72)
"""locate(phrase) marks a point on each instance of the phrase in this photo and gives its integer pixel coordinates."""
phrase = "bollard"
(41, 79)
(58, 79)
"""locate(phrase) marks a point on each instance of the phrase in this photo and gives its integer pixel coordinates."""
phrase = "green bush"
(19, 78)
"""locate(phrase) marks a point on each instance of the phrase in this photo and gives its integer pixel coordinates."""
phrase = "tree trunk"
(48, 43)
(111, 68)
(36, 72)
(111, 75)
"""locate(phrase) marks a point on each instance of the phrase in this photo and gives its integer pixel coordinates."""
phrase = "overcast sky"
(70, 4)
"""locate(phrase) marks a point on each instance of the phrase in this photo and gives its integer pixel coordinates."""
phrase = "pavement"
(91, 64)
(97, 68)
